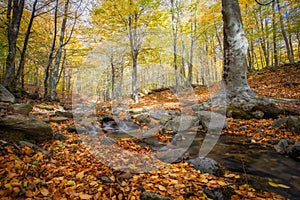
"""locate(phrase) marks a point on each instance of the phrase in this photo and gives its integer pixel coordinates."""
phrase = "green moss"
(238, 113)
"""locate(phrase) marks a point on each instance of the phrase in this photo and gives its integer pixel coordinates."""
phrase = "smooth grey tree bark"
(236, 95)
(235, 52)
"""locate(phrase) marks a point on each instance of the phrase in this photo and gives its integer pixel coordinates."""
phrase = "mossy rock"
(238, 113)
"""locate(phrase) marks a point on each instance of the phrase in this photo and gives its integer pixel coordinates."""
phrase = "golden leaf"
(44, 191)
(162, 188)
(273, 184)
(85, 196)
(80, 175)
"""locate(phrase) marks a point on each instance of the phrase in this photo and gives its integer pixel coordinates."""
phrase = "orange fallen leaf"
(45, 192)
(85, 196)
(162, 188)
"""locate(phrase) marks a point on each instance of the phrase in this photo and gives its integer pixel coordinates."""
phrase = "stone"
(281, 146)
(153, 196)
(58, 119)
(76, 129)
(294, 150)
(258, 114)
(5, 95)
(211, 121)
(181, 123)
(27, 128)
(60, 136)
(23, 109)
(64, 114)
(205, 165)
(242, 128)
(291, 123)
(279, 122)
(142, 119)
(171, 155)
(261, 128)
(159, 115)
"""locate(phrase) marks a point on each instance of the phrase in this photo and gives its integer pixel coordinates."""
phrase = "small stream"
(257, 164)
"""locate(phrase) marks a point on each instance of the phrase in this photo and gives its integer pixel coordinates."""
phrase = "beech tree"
(236, 94)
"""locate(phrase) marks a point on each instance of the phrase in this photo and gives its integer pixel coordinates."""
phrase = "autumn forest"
(149, 99)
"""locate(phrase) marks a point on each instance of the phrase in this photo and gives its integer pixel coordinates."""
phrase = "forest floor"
(71, 171)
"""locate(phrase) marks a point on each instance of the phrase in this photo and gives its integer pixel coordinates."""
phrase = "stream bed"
(258, 164)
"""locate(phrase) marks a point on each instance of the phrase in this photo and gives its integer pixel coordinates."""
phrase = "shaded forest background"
(54, 47)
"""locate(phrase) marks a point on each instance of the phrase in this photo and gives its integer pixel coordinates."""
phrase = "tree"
(130, 18)
(14, 16)
(235, 51)
(236, 93)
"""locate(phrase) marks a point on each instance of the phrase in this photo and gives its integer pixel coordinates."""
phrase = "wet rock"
(5, 95)
(258, 114)
(219, 193)
(27, 128)
(281, 146)
(242, 128)
(64, 114)
(181, 123)
(142, 119)
(76, 129)
(159, 115)
(150, 133)
(77, 141)
(261, 128)
(206, 165)
(60, 136)
(294, 150)
(153, 196)
(291, 123)
(212, 121)
(58, 119)
(45, 107)
(135, 111)
(171, 155)
(23, 109)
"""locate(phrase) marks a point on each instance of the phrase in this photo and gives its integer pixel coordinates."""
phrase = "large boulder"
(5, 95)
(19, 127)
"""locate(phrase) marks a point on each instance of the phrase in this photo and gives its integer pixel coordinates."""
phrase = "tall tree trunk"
(193, 35)
(20, 72)
(120, 79)
(14, 15)
(284, 35)
(51, 53)
(276, 63)
(55, 73)
(113, 76)
(134, 55)
(174, 24)
(235, 51)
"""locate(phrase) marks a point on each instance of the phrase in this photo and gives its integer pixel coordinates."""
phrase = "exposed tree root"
(246, 105)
